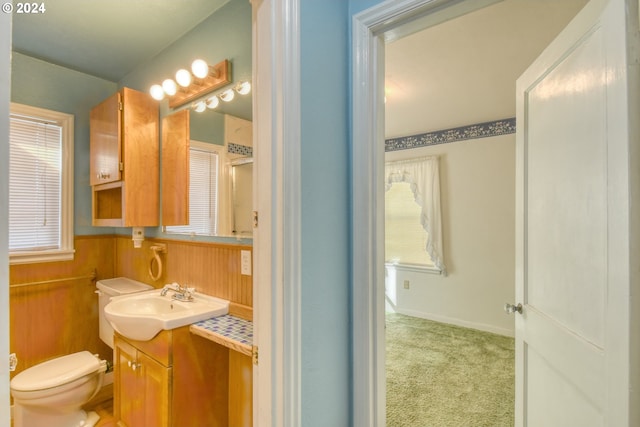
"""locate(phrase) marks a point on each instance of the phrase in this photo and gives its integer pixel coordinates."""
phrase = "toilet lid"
(55, 372)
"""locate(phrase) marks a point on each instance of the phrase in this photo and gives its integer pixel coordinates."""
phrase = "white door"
(573, 226)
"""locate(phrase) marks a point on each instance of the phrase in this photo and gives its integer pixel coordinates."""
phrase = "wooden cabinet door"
(105, 141)
(128, 392)
(140, 159)
(155, 383)
(175, 168)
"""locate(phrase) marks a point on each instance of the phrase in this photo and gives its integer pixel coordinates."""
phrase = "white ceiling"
(107, 39)
(463, 71)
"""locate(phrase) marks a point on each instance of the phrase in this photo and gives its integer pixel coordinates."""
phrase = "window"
(203, 191)
(40, 185)
(412, 213)
(405, 238)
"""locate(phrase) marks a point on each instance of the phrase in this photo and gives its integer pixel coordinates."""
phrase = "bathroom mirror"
(242, 196)
(207, 174)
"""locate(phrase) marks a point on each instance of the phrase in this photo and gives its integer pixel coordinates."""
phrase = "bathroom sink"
(141, 316)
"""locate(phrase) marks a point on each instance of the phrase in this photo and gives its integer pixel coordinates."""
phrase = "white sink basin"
(142, 315)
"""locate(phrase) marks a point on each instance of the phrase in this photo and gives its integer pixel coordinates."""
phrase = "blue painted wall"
(42, 84)
(326, 372)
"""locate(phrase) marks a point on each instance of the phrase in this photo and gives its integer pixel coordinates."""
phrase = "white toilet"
(51, 394)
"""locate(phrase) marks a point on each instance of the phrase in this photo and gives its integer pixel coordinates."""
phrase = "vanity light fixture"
(228, 95)
(213, 102)
(190, 86)
(200, 69)
(242, 88)
(169, 87)
(157, 92)
(199, 107)
(183, 77)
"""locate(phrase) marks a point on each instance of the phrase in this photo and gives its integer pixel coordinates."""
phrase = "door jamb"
(370, 30)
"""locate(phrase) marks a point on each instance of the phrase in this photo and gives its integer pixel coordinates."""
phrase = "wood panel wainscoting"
(52, 316)
(54, 307)
(212, 268)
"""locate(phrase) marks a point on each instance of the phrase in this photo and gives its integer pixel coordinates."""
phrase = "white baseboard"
(457, 322)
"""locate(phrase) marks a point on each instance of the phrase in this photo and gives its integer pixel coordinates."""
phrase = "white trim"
(5, 88)
(277, 199)
(453, 321)
(387, 21)
(41, 256)
(66, 251)
(416, 268)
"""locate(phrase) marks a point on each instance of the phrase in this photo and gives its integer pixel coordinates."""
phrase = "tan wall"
(53, 319)
(212, 268)
(58, 318)
(477, 179)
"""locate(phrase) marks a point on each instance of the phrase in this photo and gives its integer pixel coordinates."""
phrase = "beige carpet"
(440, 375)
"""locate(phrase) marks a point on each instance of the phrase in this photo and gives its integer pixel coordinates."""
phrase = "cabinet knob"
(133, 365)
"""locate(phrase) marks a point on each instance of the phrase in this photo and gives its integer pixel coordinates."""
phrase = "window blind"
(203, 193)
(35, 184)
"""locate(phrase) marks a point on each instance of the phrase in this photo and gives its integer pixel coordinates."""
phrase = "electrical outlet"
(406, 284)
(245, 263)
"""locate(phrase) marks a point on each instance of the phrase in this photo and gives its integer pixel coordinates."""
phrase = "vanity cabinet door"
(142, 388)
(155, 384)
(127, 387)
(105, 140)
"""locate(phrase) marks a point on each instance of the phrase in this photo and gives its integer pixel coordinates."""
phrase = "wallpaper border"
(463, 133)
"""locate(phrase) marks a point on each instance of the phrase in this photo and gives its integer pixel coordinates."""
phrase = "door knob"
(510, 308)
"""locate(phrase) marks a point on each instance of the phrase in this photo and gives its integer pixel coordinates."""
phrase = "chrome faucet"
(180, 293)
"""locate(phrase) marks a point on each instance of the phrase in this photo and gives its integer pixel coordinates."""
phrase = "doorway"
(406, 24)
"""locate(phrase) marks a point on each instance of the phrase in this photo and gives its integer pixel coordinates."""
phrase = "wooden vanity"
(179, 379)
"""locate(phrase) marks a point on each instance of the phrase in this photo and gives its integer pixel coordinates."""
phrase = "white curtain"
(424, 178)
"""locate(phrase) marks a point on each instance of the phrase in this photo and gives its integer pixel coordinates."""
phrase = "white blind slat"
(35, 184)
(203, 194)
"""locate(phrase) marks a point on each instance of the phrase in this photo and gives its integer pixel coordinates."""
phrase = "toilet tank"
(108, 288)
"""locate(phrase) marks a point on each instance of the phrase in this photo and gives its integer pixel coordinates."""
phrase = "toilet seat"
(56, 372)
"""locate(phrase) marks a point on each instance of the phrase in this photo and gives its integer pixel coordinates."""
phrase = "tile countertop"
(227, 330)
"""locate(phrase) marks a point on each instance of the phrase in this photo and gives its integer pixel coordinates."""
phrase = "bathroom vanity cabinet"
(176, 379)
(142, 386)
(124, 160)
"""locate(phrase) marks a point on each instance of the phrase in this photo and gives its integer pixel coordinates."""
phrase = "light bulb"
(156, 92)
(213, 102)
(200, 107)
(243, 88)
(200, 68)
(183, 77)
(169, 87)
(227, 95)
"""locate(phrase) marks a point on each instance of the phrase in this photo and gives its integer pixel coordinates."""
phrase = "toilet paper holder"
(13, 362)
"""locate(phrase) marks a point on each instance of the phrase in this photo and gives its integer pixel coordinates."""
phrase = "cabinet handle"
(133, 365)
(103, 175)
